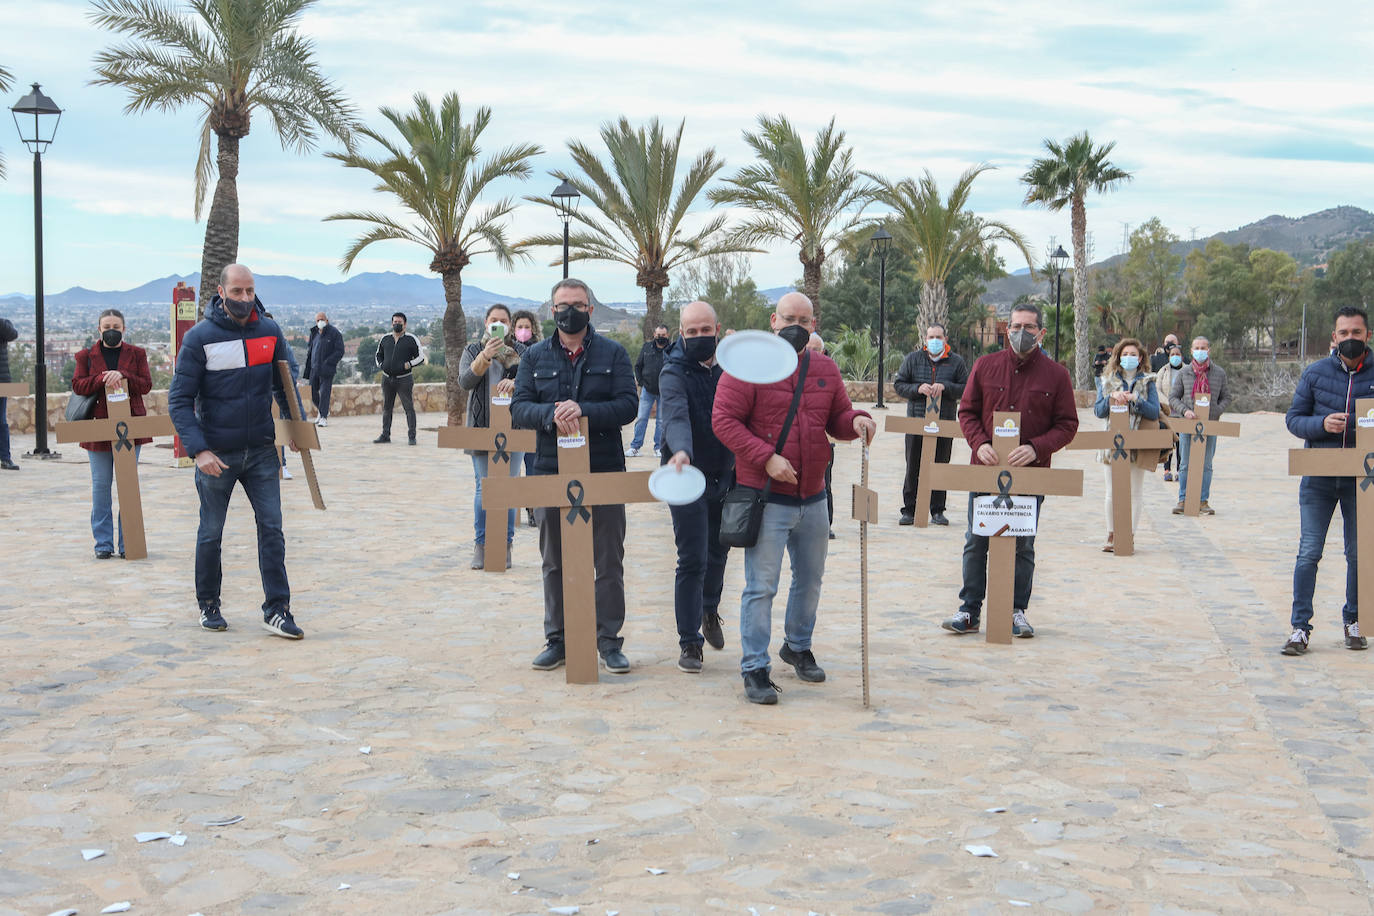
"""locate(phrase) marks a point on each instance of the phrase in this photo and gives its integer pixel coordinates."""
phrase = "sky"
(1224, 112)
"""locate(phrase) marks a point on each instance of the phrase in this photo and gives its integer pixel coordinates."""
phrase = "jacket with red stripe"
(222, 392)
(133, 365)
(748, 419)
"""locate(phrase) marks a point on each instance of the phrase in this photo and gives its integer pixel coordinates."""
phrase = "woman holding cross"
(1126, 383)
(110, 365)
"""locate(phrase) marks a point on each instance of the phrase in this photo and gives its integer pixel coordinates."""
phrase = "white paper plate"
(677, 488)
(757, 357)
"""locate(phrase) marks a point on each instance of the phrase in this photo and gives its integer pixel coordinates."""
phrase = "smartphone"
(496, 329)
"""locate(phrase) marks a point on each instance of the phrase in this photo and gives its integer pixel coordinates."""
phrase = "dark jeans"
(700, 564)
(976, 567)
(1171, 455)
(321, 388)
(829, 492)
(391, 387)
(608, 556)
(256, 469)
(914, 444)
(4, 431)
(1317, 501)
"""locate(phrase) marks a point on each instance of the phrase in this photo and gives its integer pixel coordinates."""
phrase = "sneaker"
(479, 555)
(280, 623)
(552, 657)
(938, 518)
(8, 465)
(832, 534)
(285, 474)
(1205, 509)
(1019, 626)
(212, 619)
(104, 554)
(759, 688)
(322, 421)
(411, 441)
(907, 519)
(1296, 645)
(690, 660)
(803, 662)
(380, 439)
(1168, 477)
(1353, 639)
(961, 622)
(631, 452)
(712, 630)
(615, 662)
(1178, 510)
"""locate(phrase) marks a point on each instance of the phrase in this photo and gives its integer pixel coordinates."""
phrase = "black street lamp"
(882, 241)
(1058, 261)
(566, 198)
(37, 138)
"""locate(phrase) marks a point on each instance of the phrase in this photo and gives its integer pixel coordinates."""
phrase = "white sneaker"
(322, 421)
(631, 453)
(286, 475)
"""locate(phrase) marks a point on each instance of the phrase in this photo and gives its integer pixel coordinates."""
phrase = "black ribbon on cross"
(1003, 500)
(501, 453)
(122, 432)
(1368, 471)
(1198, 434)
(1119, 447)
(576, 503)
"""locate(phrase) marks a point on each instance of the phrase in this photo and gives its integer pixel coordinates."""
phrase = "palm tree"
(6, 80)
(435, 175)
(937, 232)
(816, 202)
(1065, 177)
(638, 221)
(226, 58)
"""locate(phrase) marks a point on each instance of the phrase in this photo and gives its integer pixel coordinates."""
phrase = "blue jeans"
(102, 508)
(256, 469)
(804, 531)
(5, 431)
(700, 565)
(1317, 500)
(479, 516)
(976, 568)
(1185, 445)
(646, 404)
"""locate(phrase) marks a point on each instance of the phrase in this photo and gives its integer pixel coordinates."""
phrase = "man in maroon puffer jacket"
(748, 420)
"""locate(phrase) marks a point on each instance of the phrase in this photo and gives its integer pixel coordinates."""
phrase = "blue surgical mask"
(1199, 356)
(935, 346)
(1176, 360)
(1129, 363)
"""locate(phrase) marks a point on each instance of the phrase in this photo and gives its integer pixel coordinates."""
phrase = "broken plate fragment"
(123, 906)
(656, 871)
(223, 821)
(178, 840)
(995, 810)
(151, 835)
(982, 851)
(68, 912)
(365, 749)
(89, 854)
(565, 910)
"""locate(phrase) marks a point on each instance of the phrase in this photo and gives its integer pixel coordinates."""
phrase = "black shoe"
(529, 519)
(615, 662)
(759, 688)
(104, 554)
(280, 623)
(832, 534)
(552, 657)
(907, 518)
(711, 629)
(938, 518)
(380, 439)
(8, 465)
(690, 660)
(211, 619)
(803, 662)
(411, 441)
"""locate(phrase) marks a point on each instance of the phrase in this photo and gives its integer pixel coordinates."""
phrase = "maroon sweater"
(1038, 387)
(133, 364)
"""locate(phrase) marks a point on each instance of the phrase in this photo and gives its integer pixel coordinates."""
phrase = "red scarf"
(1201, 384)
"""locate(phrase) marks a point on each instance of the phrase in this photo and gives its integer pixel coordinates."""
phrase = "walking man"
(1201, 379)
(322, 355)
(936, 372)
(647, 368)
(7, 336)
(397, 354)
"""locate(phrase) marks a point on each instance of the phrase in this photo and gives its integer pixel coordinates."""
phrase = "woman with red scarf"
(1199, 386)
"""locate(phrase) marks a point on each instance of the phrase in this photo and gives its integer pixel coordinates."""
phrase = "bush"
(1262, 385)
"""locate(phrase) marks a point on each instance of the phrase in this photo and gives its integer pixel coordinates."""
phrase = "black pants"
(829, 491)
(700, 563)
(404, 386)
(321, 389)
(608, 557)
(914, 444)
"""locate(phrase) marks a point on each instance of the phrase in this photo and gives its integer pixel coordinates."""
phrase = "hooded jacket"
(1328, 387)
(226, 375)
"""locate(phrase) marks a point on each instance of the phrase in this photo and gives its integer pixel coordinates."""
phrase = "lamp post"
(882, 241)
(1058, 261)
(37, 138)
(566, 199)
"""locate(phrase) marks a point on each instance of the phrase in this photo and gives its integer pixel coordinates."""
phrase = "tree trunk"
(1082, 341)
(934, 307)
(653, 316)
(455, 339)
(222, 225)
(811, 283)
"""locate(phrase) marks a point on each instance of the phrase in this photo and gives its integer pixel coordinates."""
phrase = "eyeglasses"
(580, 306)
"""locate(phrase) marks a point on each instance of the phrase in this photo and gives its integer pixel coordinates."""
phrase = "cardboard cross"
(932, 429)
(568, 496)
(14, 390)
(1198, 429)
(1119, 439)
(1355, 462)
(299, 430)
(500, 441)
(120, 429)
(866, 513)
(1005, 480)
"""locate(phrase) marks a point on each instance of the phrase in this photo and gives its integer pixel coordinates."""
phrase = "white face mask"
(321, 325)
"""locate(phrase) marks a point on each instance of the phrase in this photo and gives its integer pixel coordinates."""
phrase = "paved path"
(1151, 749)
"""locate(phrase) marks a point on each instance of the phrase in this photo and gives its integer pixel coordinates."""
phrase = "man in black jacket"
(578, 373)
(934, 371)
(687, 394)
(647, 369)
(7, 334)
(398, 353)
(322, 355)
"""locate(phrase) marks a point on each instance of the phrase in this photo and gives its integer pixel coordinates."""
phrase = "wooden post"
(1119, 439)
(1198, 429)
(932, 429)
(866, 512)
(299, 430)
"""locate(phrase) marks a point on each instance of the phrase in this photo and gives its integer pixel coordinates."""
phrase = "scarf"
(1201, 383)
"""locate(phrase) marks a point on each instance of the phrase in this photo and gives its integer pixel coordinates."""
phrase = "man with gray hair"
(578, 373)
(1200, 382)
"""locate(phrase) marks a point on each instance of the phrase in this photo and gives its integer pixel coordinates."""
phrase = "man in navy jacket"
(221, 404)
(1323, 412)
(322, 355)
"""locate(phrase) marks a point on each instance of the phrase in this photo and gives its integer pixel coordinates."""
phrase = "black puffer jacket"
(919, 369)
(7, 334)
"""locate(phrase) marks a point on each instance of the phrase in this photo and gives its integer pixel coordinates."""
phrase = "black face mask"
(239, 308)
(660, 342)
(571, 320)
(699, 349)
(398, 327)
(111, 337)
(1351, 348)
(796, 335)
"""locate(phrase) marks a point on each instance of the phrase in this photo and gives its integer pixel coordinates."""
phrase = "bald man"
(322, 355)
(687, 394)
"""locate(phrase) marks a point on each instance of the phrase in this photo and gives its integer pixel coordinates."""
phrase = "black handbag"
(81, 406)
(741, 512)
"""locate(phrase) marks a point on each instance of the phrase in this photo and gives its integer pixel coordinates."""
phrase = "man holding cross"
(1323, 413)
(578, 373)
(1200, 382)
(938, 373)
(221, 403)
(1018, 378)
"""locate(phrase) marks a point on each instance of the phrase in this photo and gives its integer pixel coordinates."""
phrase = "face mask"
(1022, 341)
(321, 325)
(699, 349)
(239, 308)
(1176, 360)
(523, 334)
(571, 320)
(397, 327)
(1129, 363)
(111, 337)
(1199, 356)
(1350, 348)
(935, 346)
(796, 335)
(660, 342)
